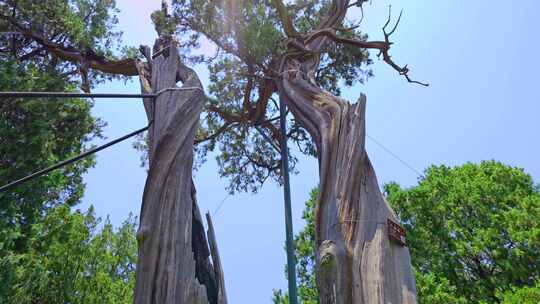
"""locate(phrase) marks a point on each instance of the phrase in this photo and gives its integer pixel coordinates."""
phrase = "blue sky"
(481, 60)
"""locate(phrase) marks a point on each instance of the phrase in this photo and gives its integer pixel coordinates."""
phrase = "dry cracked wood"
(356, 260)
(175, 263)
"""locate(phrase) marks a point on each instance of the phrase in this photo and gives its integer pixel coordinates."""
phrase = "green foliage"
(305, 254)
(473, 232)
(85, 25)
(67, 261)
(521, 295)
(49, 254)
(432, 289)
(476, 226)
(80, 23)
(34, 135)
(249, 40)
(278, 297)
(163, 21)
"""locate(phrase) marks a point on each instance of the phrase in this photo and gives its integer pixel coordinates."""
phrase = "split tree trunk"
(356, 260)
(174, 263)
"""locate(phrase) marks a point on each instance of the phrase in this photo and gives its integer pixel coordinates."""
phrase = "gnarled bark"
(174, 263)
(222, 295)
(356, 260)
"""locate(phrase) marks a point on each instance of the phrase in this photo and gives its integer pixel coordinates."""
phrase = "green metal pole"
(289, 241)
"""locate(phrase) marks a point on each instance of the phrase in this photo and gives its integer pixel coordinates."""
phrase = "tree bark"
(356, 260)
(222, 295)
(174, 263)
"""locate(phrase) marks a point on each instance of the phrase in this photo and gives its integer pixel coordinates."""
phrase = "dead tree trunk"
(174, 263)
(356, 260)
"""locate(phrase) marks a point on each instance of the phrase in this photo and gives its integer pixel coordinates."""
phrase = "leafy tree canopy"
(67, 35)
(37, 39)
(68, 261)
(477, 226)
(473, 232)
(242, 112)
(35, 134)
(240, 123)
(521, 295)
(48, 253)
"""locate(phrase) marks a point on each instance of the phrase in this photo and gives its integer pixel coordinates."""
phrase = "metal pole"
(71, 160)
(289, 241)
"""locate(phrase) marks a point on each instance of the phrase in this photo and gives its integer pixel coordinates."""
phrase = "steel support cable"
(394, 155)
(90, 95)
(82, 95)
(71, 160)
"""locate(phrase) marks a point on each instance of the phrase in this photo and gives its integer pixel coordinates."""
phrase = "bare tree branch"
(225, 115)
(36, 52)
(268, 139)
(220, 131)
(286, 20)
(388, 21)
(91, 59)
(382, 46)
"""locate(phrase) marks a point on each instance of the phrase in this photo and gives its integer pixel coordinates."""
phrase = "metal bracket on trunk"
(396, 232)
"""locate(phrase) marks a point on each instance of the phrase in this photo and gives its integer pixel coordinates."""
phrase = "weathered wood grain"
(216, 260)
(356, 261)
(174, 264)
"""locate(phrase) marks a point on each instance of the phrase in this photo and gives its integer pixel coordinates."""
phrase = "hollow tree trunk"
(356, 260)
(174, 263)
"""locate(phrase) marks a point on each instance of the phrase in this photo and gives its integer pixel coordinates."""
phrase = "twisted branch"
(88, 58)
(382, 46)
(286, 20)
